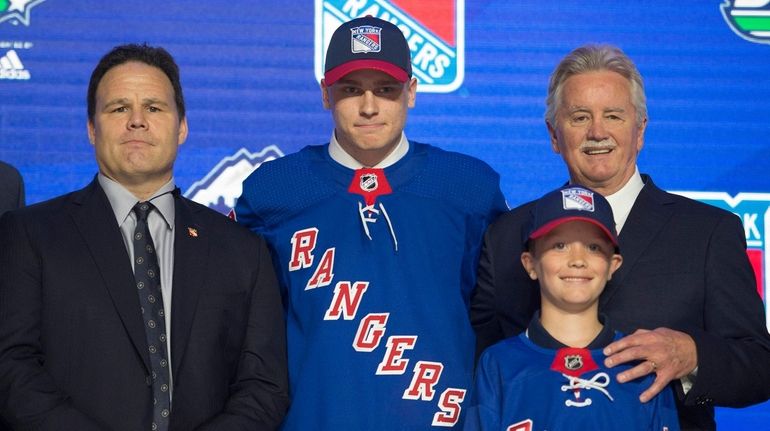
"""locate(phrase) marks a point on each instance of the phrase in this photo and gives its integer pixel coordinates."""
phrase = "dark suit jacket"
(685, 267)
(11, 188)
(73, 354)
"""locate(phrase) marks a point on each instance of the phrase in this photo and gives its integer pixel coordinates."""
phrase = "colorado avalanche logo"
(573, 362)
(220, 188)
(365, 38)
(369, 182)
(578, 199)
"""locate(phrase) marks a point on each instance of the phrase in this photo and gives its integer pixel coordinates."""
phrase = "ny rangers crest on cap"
(578, 199)
(365, 38)
(369, 182)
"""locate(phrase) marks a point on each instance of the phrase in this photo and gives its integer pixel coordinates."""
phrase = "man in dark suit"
(124, 306)
(11, 188)
(686, 291)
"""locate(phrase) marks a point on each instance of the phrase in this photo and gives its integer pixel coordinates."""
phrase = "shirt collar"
(623, 200)
(339, 155)
(540, 337)
(122, 201)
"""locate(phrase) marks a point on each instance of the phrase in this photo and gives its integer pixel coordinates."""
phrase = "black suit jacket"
(11, 188)
(73, 354)
(685, 267)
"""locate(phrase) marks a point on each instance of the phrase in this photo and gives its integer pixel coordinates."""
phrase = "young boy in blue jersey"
(552, 376)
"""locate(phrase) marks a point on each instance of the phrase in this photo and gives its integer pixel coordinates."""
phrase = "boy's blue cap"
(367, 43)
(571, 203)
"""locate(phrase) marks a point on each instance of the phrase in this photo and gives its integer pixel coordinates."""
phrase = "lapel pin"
(192, 232)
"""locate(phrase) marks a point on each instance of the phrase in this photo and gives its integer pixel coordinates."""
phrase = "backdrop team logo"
(17, 11)
(222, 186)
(435, 31)
(754, 211)
(749, 19)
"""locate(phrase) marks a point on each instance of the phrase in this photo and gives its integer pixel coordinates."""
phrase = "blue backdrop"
(249, 70)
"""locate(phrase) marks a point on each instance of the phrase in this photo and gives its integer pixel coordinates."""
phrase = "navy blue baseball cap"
(367, 43)
(570, 203)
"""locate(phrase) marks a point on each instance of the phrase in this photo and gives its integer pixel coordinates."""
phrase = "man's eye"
(350, 90)
(120, 109)
(559, 245)
(580, 118)
(595, 247)
(153, 109)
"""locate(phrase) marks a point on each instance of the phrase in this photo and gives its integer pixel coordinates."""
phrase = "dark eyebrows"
(145, 102)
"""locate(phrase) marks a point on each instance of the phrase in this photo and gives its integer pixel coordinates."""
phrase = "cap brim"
(544, 229)
(334, 75)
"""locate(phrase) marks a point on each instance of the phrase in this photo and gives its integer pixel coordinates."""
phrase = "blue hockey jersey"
(521, 386)
(376, 269)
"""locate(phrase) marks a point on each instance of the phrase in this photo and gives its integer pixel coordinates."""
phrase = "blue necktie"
(147, 275)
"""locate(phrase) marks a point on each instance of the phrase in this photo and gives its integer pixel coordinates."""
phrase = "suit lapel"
(93, 216)
(191, 247)
(647, 217)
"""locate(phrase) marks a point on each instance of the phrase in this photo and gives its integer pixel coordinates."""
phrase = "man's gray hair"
(592, 58)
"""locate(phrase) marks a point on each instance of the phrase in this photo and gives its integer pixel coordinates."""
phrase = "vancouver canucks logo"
(749, 19)
(17, 11)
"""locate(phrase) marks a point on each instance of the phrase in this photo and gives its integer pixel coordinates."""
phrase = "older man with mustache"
(686, 291)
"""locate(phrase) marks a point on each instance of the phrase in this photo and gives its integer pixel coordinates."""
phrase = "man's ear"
(412, 95)
(325, 94)
(91, 132)
(554, 138)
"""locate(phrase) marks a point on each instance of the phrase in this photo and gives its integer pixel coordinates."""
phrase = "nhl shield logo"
(365, 38)
(434, 30)
(369, 182)
(749, 19)
(573, 362)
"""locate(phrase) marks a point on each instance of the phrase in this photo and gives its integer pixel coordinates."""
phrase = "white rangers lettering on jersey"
(302, 245)
(370, 332)
(426, 375)
(344, 303)
(449, 403)
(324, 272)
(392, 362)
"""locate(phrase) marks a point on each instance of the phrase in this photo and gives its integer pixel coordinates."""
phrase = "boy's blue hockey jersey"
(524, 387)
(376, 270)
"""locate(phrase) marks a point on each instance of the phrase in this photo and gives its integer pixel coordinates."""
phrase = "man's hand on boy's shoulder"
(667, 353)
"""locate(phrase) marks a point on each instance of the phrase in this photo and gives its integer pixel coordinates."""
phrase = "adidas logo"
(11, 67)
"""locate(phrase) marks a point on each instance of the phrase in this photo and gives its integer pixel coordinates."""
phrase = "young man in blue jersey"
(376, 240)
(553, 376)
